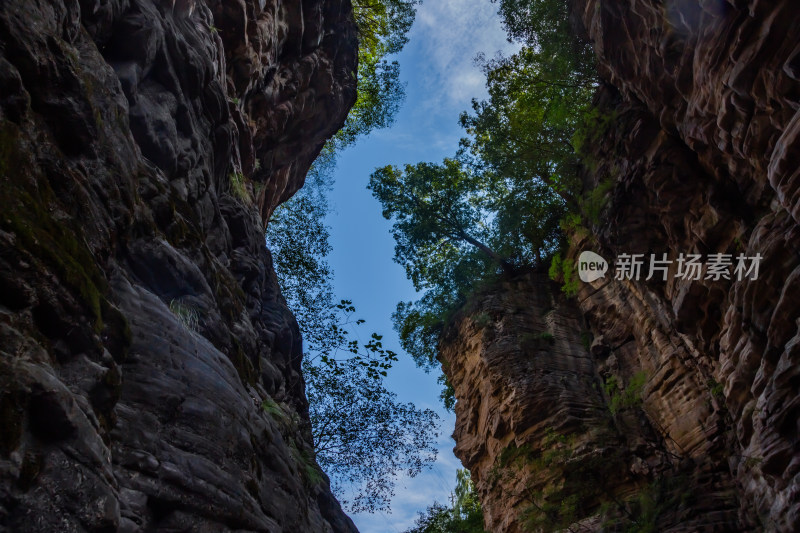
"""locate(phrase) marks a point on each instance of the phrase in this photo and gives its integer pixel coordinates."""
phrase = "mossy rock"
(26, 205)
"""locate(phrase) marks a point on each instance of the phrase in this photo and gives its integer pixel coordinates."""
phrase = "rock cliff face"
(678, 406)
(552, 445)
(142, 145)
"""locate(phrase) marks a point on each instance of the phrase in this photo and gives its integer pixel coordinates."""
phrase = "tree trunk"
(506, 266)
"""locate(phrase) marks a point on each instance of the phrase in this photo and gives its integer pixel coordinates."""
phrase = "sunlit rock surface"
(536, 426)
(142, 145)
(704, 158)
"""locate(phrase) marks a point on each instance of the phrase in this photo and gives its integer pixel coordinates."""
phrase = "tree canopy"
(363, 436)
(438, 210)
(383, 27)
(538, 98)
(497, 206)
(456, 224)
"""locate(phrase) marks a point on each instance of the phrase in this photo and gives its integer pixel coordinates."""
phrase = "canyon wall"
(669, 404)
(143, 144)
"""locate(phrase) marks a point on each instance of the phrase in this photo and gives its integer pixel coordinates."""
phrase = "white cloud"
(413, 495)
(450, 34)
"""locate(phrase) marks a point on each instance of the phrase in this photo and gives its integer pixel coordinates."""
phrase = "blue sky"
(438, 67)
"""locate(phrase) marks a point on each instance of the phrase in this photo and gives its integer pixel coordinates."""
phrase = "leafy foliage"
(299, 241)
(363, 436)
(383, 26)
(442, 223)
(563, 270)
(497, 206)
(538, 98)
(463, 516)
(239, 188)
(563, 482)
(539, 104)
(560, 480)
(645, 511)
(716, 389)
(448, 394)
(623, 398)
(456, 226)
(441, 213)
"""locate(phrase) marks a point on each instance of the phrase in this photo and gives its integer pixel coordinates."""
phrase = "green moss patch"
(26, 211)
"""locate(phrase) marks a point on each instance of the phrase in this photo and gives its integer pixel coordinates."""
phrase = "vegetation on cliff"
(363, 436)
(383, 27)
(464, 514)
(498, 206)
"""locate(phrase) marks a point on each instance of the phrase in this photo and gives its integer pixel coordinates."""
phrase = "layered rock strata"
(558, 430)
(699, 155)
(715, 152)
(143, 143)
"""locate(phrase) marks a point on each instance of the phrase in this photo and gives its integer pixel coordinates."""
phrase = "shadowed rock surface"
(143, 144)
(685, 391)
